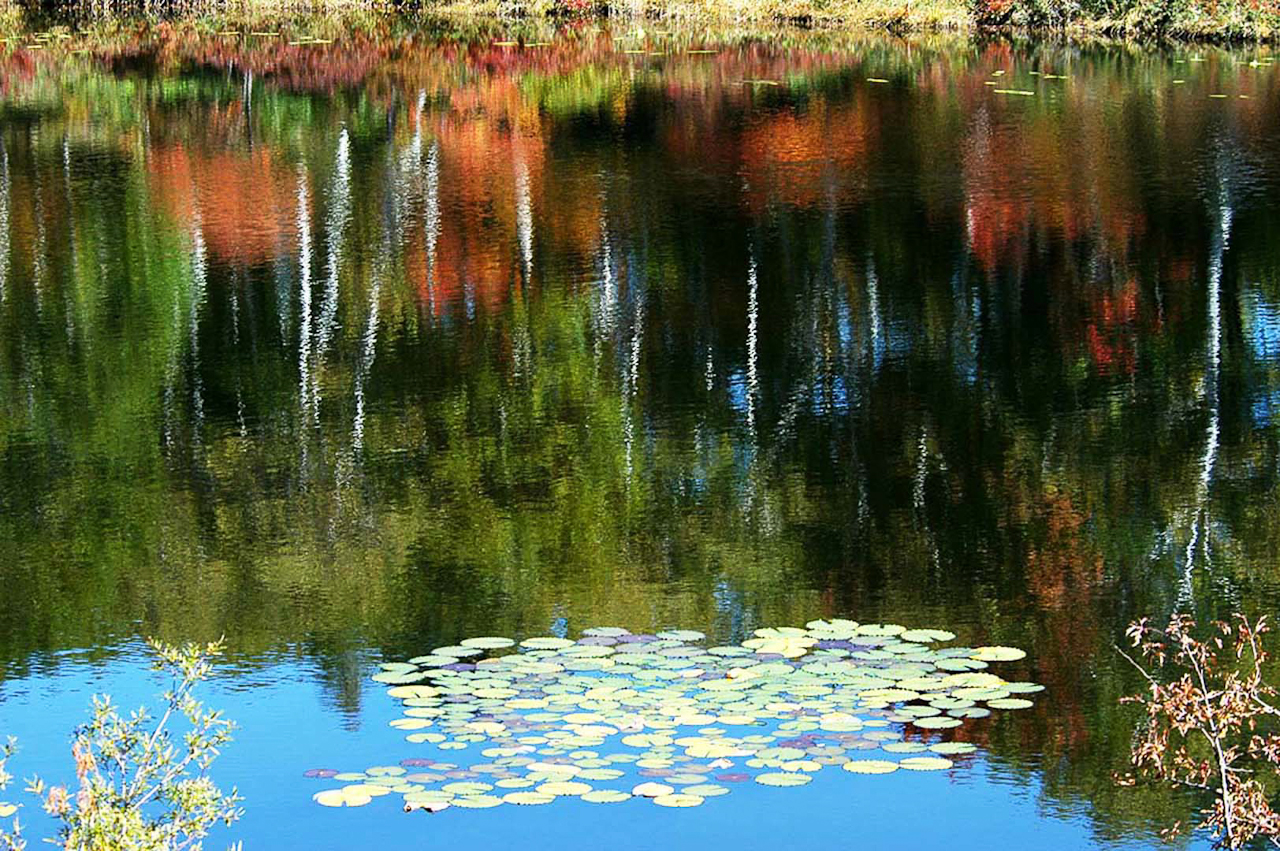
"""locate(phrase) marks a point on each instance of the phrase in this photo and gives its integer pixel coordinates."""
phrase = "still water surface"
(349, 350)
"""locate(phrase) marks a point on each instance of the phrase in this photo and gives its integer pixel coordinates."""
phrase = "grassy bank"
(1179, 20)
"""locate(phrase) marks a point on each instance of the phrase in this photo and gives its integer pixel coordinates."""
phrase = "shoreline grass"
(1150, 21)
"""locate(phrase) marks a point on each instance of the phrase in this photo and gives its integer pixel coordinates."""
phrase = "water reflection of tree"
(445, 365)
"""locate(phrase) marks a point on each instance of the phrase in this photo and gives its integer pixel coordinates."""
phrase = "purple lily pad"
(642, 638)
(320, 773)
(733, 778)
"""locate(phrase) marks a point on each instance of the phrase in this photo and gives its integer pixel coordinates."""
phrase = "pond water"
(349, 343)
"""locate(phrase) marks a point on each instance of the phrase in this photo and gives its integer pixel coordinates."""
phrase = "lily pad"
(678, 800)
(880, 629)
(998, 654)
(477, 802)
(606, 796)
(870, 766)
(343, 797)
(706, 790)
(564, 788)
(783, 779)
(682, 635)
(936, 723)
(1010, 703)
(927, 636)
(606, 631)
(528, 799)
(548, 642)
(926, 763)
(487, 642)
(652, 790)
(465, 788)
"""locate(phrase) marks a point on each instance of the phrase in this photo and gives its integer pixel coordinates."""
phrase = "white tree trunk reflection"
(1199, 538)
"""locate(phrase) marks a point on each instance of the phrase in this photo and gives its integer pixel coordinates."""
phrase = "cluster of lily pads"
(553, 717)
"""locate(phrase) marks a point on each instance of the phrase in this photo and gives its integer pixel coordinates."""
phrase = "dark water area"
(346, 350)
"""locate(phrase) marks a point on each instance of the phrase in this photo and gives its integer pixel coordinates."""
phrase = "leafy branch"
(139, 785)
(1210, 729)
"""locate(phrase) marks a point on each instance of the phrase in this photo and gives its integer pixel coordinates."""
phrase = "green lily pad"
(880, 629)
(870, 766)
(783, 778)
(1023, 688)
(606, 796)
(528, 799)
(477, 802)
(936, 723)
(706, 790)
(549, 642)
(682, 635)
(927, 636)
(564, 788)
(1010, 703)
(466, 788)
(487, 642)
(998, 654)
(926, 763)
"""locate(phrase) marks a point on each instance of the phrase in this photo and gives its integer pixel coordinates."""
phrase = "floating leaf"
(477, 802)
(926, 763)
(606, 631)
(706, 790)
(927, 635)
(1023, 688)
(427, 806)
(783, 779)
(1010, 703)
(527, 799)
(458, 651)
(465, 788)
(564, 788)
(343, 797)
(880, 629)
(606, 796)
(7, 809)
(870, 766)
(678, 800)
(652, 790)
(936, 723)
(487, 642)
(546, 643)
(682, 635)
(998, 654)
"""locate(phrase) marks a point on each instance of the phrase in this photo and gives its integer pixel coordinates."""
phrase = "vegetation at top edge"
(1191, 20)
